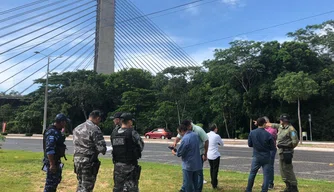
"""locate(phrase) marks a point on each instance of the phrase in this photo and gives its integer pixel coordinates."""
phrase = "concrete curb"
(170, 141)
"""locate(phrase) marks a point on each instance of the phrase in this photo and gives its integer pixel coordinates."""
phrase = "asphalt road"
(307, 164)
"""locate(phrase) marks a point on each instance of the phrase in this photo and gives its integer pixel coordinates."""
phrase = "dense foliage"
(247, 80)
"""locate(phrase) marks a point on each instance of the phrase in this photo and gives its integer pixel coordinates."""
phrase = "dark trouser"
(190, 179)
(256, 164)
(214, 167)
(86, 175)
(125, 178)
(200, 179)
(52, 179)
(287, 173)
(272, 167)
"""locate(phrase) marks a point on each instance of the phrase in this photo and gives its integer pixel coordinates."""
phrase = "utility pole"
(105, 37)
(310, 120)
(46, 90)
(46, 96)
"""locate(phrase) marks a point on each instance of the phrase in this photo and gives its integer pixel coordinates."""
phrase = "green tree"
(6, 113)
(293, 87)
(224, 100)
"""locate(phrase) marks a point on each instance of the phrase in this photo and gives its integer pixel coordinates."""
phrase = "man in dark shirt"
(262, 143)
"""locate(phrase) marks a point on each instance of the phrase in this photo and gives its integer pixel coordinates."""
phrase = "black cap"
(116, 115)
(284, 117)
(127, 116)
(61, 117)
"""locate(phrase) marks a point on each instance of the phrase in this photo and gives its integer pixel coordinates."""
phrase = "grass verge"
(20, 171)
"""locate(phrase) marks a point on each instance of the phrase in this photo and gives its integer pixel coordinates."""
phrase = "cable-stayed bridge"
(69, 35)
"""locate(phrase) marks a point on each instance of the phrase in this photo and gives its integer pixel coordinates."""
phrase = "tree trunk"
(299, 121)
(228, 134)
(83, 110)
(178, 112)
(166, 124)
(250, 124)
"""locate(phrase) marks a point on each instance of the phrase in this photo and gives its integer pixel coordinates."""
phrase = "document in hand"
(109, 148)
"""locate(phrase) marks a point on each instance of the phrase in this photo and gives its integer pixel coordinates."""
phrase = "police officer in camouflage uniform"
(127, 148)
(88, 144)
(54, 149)
(287, 140)
(117, 121)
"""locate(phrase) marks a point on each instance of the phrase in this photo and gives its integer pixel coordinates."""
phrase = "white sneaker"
(204, 181)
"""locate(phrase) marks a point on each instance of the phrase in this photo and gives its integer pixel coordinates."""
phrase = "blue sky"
(197, 24)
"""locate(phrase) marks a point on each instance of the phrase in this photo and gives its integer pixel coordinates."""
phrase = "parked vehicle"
(159, 133)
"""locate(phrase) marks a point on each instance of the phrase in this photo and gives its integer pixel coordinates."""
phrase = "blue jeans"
(190, 179)
(256, 164)
(200, 179)
(272, 169)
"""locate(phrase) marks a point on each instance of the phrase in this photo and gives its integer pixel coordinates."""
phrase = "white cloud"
(192, 9)
(204, 54)
(282, 39)
(242, 38)
(234, 3)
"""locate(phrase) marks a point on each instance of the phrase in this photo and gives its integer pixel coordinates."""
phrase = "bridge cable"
(75, 14)
(36, 16)
(46, 33)
(30, 11)
(48, 40)
(138, 29)
(41, 60)
(47, 64)
(133, 37)
(79, 57)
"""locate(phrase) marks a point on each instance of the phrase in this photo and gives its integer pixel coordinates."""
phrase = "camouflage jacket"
(88, 139)
(287, 137)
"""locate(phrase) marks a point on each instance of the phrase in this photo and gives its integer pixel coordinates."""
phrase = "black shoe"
(294, 188)
(287, 188)
(271, 186)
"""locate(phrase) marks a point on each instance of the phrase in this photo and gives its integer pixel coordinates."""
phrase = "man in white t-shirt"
(213, 154)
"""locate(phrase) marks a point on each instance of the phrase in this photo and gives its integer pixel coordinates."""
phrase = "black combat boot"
(294, 188)
(287, 188)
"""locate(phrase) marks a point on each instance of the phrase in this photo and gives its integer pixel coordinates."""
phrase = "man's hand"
(173, 152)
(53, 168)
(204, 157)
(173, 145)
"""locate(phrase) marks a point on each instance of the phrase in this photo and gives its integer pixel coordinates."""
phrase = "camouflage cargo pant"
(125, 178)
(287, 173)
(86, 175)
(52, 179)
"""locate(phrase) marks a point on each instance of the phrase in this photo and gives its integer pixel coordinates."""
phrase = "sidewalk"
(238, 143)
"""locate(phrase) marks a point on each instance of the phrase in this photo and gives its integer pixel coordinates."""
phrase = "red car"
(159, 133)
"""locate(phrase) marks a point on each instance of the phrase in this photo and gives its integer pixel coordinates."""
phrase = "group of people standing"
(263, 141)
(196, 147)
(88, 143)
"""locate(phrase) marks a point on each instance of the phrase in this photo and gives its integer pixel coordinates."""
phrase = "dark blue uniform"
(53, 143)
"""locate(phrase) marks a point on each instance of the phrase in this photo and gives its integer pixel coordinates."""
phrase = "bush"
(243, 136)
(2, 138)
(67, 134)
(29, 134)
(4, 133)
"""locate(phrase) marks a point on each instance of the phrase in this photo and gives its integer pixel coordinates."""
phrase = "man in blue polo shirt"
(191, 159)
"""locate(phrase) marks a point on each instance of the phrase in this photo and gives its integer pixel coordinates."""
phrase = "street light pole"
(309, 120)
(46, 96)
(46, 90)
